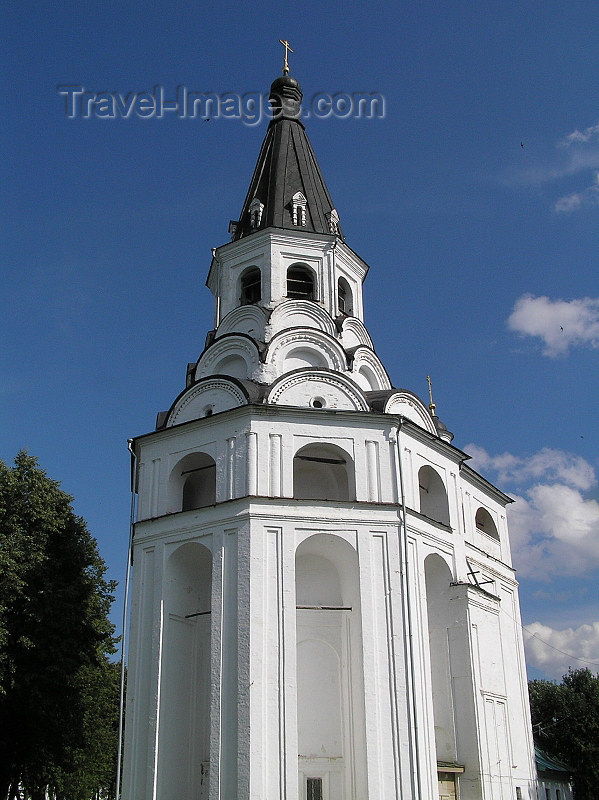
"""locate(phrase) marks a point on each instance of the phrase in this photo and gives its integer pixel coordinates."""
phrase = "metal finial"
(287, 47)
(431, 405)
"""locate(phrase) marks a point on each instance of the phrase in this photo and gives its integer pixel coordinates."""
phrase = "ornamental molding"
(193, 394)
(230, 345)
(347, 387)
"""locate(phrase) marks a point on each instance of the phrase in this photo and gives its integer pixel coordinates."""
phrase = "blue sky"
(475, 200)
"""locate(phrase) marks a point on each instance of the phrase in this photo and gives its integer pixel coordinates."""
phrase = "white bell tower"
(323, 604)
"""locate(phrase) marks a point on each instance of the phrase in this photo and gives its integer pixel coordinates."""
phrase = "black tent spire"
(287, 189)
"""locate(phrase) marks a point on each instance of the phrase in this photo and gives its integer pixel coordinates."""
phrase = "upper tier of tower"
(289, 318)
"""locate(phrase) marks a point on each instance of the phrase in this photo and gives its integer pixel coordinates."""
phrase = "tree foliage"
(565, 721)
(58, 689)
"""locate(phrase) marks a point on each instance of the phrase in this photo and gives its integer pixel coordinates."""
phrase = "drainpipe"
(125, 608)
(409, 634)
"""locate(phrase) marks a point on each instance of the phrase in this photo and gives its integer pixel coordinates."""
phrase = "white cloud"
(581, 137)
(554, 529)
(553, 651)
(572, 202)
(577, 154)
(548, 464)
(561, 324)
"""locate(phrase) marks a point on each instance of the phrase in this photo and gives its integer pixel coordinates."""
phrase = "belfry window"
(344, 297)
(199, 482)
(299, 205)
(300, 283)
(256, 209)
(484, 522)
(251, 287)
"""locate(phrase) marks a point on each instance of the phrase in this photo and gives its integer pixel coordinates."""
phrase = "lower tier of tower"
(300, 649)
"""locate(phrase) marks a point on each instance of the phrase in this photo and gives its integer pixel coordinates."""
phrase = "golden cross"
(430, 394)
(287, 47)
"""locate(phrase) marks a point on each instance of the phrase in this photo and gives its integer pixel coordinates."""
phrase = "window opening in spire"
(299, 205)
(334, 222)
(251, 287)
(256, 209)
(300, 283)
(344, 297)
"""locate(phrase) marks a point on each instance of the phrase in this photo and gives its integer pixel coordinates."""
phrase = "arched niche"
(250, 320)
(234, 366)
(192, 483)
(354, 334)
(184, 733)
(301, 283)
(438, 580)
(433, 495)
(304, 347)
(233, 355)
(406, 404)
(300, 314)
(323, 472)
(368, 371)
(330, 676)
(485, 523)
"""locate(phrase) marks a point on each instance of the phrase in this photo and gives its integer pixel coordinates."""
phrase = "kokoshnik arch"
(323, 602)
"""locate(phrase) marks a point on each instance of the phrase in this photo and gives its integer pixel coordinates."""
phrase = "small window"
(334, 222)
(314, 789)
(547, 793)
(298, 207)
(256, 209)
(300, 283)
(251, 287)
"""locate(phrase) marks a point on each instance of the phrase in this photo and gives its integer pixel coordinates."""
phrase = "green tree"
(565, 721)
(55, 636)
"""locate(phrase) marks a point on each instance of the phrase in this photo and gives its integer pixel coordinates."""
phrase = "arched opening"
(433, 495)
(184, 739)
(198, 472)
(323, 472)
(438, 579)
(484, 522)
(344, 297)
(330, 680)
(300, 283)
(251, 286)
